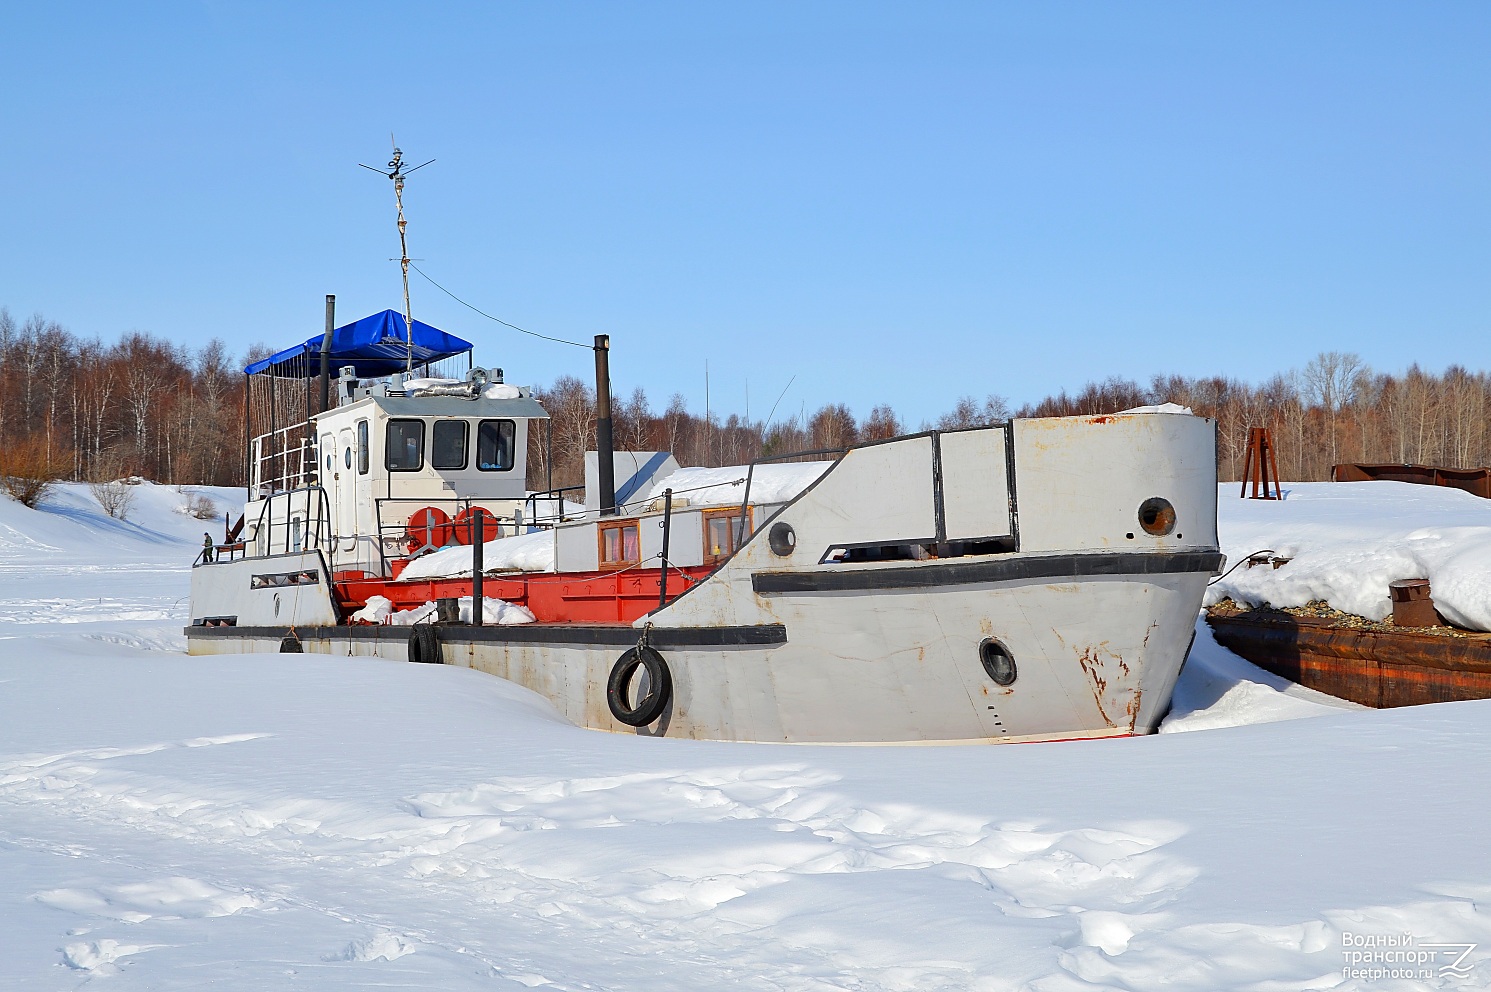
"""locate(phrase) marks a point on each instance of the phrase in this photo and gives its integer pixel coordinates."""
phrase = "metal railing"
(555, 495)
(283, 460)
(395, 536)
(315, 530)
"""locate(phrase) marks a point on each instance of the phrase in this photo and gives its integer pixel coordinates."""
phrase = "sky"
(825, 202)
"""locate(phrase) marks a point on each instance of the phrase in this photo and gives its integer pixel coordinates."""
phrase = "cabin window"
(406, 446)
(328, 445)
(495, 440)
(362, 447)
(620, 544)
(722, 533)
(448, 444)
(295, 533)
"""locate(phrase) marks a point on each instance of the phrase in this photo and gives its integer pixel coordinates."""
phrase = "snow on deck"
(279, 821)
(699, 486)
(1348, 540)
(521, 553)
(774, 483)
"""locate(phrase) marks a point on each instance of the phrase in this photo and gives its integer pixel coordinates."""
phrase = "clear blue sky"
(895, 203)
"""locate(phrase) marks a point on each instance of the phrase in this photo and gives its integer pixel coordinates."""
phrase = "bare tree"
(1333, 379)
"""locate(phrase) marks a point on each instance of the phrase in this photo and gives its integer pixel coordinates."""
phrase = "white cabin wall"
(685, 537)
(636, 471)
(975, 484)
(1079, 481)
(575, 548)
(880, 494)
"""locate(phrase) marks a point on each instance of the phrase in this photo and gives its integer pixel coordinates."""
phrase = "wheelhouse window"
(448, 444)
(406, 446)
(620, 544)
(362, 447)
(722, 533)
(495, 440)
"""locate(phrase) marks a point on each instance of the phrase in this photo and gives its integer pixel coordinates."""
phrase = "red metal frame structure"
(1259, 465)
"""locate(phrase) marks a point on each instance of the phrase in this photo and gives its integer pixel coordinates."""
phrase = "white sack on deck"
(498, 612)
(726, 486)
(377, 610)
(1348, 540)
(523, 553)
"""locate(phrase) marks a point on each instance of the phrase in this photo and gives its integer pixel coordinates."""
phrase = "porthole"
(997, 661)
(782, 538)
(1157, 516)
(347, 457)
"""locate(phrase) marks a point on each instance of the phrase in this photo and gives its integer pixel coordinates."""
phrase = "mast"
(397, 173)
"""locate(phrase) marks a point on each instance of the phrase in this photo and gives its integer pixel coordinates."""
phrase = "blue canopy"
(375, 346)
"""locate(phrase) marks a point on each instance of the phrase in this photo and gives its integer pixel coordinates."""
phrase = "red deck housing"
(565, 597)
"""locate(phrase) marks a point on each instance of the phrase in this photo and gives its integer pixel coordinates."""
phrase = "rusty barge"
(1377, 665)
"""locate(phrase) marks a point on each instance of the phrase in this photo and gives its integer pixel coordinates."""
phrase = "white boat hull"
(867, 624)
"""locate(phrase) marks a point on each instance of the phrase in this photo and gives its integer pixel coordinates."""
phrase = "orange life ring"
(429, 526)
(465, 524)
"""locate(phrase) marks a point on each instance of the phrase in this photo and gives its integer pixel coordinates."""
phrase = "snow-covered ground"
(278, 821)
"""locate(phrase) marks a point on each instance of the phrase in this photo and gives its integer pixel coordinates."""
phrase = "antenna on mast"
(397, 173)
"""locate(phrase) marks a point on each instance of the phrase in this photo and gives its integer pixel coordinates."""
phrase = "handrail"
(558, 491)
(322, 519)
(277, 468)
(385, 533)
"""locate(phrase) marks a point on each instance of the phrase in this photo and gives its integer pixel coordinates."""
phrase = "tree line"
(1335, 409)
(77, 408)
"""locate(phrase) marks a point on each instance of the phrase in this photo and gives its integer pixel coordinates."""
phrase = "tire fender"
(424, 645)
(659, 687)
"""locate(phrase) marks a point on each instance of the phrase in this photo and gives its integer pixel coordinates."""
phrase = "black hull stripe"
(564, 635)
(929, 576)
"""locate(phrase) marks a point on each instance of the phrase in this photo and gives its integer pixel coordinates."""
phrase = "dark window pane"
(494, 445)
(362, 447)
(448, 444)
(406, 441)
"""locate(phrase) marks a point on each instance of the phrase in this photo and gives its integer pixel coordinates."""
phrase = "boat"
(1035, 579)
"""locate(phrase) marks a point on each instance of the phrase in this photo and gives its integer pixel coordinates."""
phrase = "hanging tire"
(290, 644)
(659, 687)
(424, 645)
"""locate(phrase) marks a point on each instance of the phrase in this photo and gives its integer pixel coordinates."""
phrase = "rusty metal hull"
(1476, 481)
(1373, 668)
